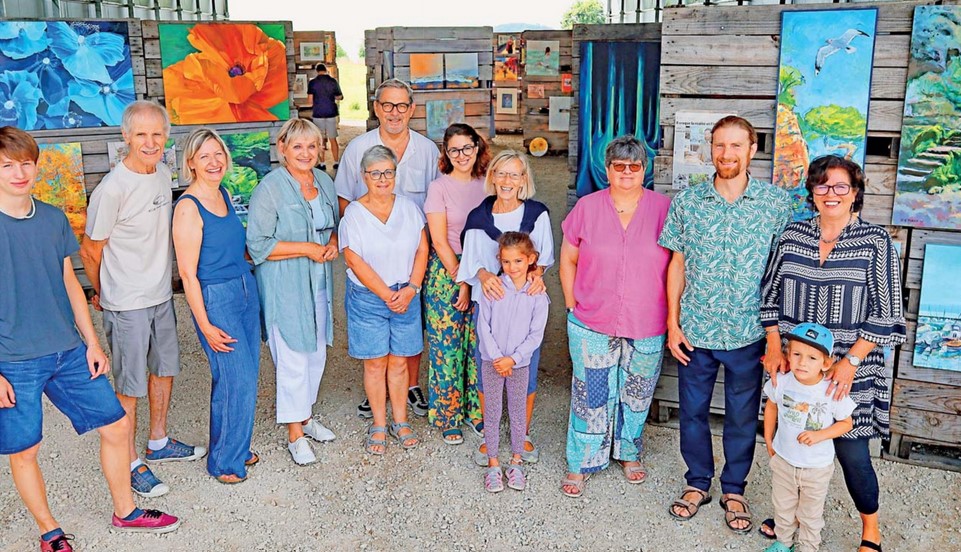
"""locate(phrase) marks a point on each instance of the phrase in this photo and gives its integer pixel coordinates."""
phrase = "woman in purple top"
(614, 278)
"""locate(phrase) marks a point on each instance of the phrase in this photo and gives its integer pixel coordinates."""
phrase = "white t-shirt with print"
(803, 408)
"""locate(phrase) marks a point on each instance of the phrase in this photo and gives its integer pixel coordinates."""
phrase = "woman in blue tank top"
(221, 291)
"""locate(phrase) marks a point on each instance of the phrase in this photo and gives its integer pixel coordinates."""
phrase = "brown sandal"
(230, 479)
(254, 458)
(690, 507)
(730, 516)
(631, 470)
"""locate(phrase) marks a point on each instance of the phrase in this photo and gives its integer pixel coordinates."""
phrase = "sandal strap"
(736, 498)
(871, 545)
(376, 429)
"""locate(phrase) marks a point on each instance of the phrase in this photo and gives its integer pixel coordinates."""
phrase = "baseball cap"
(814, 335)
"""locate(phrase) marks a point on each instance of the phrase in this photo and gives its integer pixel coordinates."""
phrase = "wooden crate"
(307, 67)
(392, 47)
(534, 111)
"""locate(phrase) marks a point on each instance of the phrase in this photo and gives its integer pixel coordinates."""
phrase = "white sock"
(136, 464)
(157, 444)
(412, 386)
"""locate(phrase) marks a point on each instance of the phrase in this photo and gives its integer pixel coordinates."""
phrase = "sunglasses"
(620, 167)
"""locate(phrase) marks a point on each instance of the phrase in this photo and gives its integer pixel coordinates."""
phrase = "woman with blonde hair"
(292, 237)
(222, 294)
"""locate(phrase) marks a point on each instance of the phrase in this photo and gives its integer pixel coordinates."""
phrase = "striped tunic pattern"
(856, 293)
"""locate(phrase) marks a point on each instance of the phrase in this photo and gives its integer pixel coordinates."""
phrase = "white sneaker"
(301, 452)
(318, 432)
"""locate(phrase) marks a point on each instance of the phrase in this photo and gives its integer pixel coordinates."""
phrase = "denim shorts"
(373, 331)
(64, 377)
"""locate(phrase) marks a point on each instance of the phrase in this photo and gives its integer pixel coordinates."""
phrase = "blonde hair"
(502, 158)
(192, 144)
(293, 130)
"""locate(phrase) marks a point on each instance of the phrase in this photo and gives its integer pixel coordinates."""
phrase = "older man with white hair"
(127, 256)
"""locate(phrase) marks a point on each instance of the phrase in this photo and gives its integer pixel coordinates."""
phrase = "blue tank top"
(223, 244)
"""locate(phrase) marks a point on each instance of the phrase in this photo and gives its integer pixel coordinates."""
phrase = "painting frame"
(60, 182)
(542, 58)
(461, 70)
(506, 101)
(559, 113)
(300, 86)
(426, 71)
(937, 343)
(315, 52)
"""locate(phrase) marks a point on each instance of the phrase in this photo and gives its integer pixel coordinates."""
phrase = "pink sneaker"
(58, 544)
(150, 521)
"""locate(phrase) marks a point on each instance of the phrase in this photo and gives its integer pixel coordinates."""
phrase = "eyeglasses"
(838, 189)
(381, 175)
(466, 151)
(619, 167)
(501, 175)
(389, 107)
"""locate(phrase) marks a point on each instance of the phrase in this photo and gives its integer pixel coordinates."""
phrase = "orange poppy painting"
(60, 182)
(224, 72)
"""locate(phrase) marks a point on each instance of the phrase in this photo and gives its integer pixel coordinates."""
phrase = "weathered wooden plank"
(620, 32)
(921, 237)
(931, 397)
(470, 109)
(755, 51)
(151, 49)
(443, 33)
(441, 46)
(935, 426)
(479, 122)
(907, 371)
(467, 94)
(886, 82)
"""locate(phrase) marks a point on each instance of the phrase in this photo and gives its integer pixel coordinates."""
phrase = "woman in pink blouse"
(614, 276)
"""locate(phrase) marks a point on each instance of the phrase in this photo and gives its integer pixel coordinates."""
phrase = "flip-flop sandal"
(731, 516)
(690, 507)
(453, 436)
(254, 458)
(870, 545)
(403, 439)
(576, 483)
(769, 525)
(631, 470)
(370, 443)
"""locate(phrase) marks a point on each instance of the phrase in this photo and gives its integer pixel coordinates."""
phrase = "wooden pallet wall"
(307, 67)
(508, 123)
(534, 111)
(401, 42)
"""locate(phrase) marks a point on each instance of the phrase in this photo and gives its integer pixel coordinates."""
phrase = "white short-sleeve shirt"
(132, 211)
(389, 249)
(415, 170)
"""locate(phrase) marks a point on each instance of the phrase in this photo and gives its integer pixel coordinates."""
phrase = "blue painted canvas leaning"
(618, 95)
(63, 74)
(929, 163)
(824, 87)
(938, 339)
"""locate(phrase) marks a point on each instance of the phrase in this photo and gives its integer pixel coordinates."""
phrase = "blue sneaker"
(175, 451)
(146, 484)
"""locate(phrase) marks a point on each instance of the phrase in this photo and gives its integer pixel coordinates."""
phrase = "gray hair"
(143, 106)
(395, 83)
(192, 144)
(377, 154)
(625, 148)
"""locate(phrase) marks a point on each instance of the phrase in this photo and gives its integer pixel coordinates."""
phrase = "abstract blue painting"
(618, 95)
(64, 74)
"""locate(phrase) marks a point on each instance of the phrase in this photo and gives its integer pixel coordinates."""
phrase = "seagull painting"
(834, 45)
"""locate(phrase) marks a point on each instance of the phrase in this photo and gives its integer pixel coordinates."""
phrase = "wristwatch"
(854, 360)
(570, 310)
(417, 291)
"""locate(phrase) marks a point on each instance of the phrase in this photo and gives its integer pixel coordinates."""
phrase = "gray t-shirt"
(35, 315)
(132, 212)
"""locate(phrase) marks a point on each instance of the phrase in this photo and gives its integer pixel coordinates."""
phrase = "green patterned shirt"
(726, 248)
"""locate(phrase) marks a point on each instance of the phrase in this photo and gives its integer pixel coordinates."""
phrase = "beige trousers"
(798, 495)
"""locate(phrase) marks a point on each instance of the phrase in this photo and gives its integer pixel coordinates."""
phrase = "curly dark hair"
(483, 150)
(818, 174)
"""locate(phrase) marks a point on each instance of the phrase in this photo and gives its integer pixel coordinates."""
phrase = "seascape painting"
(441, 114)
(224, 72)
(250, 154)
(426, 71)
(64, 74)
(543, 58)
(618, 94)
(60, 182)
(937, 342)
(824, 87)
(460, 70)
(928, 191)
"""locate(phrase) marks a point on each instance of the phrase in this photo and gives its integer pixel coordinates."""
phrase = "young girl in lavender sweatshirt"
(508, 332)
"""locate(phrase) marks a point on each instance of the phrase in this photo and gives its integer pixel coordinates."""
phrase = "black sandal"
(769, 525)
(869, 544)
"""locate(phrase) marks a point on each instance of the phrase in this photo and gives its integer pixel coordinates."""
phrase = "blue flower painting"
(64, 74)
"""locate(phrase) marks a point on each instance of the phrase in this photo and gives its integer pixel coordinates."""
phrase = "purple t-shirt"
(456, 199)
(620, 287)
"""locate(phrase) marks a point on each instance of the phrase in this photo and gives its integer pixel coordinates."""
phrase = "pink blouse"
(456, 199)
(620, 287)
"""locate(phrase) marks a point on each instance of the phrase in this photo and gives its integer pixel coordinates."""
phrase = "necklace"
(622, 210)
(836, 238)
(30, 213)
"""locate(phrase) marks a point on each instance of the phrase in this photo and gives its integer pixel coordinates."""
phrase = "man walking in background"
(323, 93)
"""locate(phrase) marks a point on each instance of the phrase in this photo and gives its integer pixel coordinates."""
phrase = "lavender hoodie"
(513, 326)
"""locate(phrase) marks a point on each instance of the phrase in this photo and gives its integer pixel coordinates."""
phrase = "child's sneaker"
(778, 547)
(175, 451)
(516, 478)
(149, 521)
(494, 480)
(146, 484)
(417, 401)
(58, 544)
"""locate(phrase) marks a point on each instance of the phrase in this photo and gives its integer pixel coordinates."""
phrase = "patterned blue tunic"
(856, 293)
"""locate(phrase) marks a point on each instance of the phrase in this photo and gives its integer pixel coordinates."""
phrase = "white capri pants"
(299, 374)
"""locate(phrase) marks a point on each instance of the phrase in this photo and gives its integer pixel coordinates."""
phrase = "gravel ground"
(433, 495)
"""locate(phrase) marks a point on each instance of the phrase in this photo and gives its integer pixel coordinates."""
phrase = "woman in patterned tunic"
(841, 272)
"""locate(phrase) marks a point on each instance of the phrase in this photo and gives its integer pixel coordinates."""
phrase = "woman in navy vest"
(508, 208)
(222, 294)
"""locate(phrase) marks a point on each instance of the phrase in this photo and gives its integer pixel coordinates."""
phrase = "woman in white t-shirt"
(384, 243)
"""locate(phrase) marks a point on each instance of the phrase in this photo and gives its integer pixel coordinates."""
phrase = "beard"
(728, 173)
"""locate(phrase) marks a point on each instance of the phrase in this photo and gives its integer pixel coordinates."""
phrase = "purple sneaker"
(59, 544)
(150, 521)
(175, 451)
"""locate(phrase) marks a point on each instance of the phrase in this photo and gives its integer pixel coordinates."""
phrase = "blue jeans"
(234, 307)
(742, 399)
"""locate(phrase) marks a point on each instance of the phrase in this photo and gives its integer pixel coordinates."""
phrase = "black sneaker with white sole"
(416, 401)
(364, 411)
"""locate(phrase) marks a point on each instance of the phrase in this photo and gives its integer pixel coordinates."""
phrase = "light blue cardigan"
(278, 212)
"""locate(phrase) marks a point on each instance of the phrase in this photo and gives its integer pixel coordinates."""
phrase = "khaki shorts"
(142, 340)
(328, 127)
